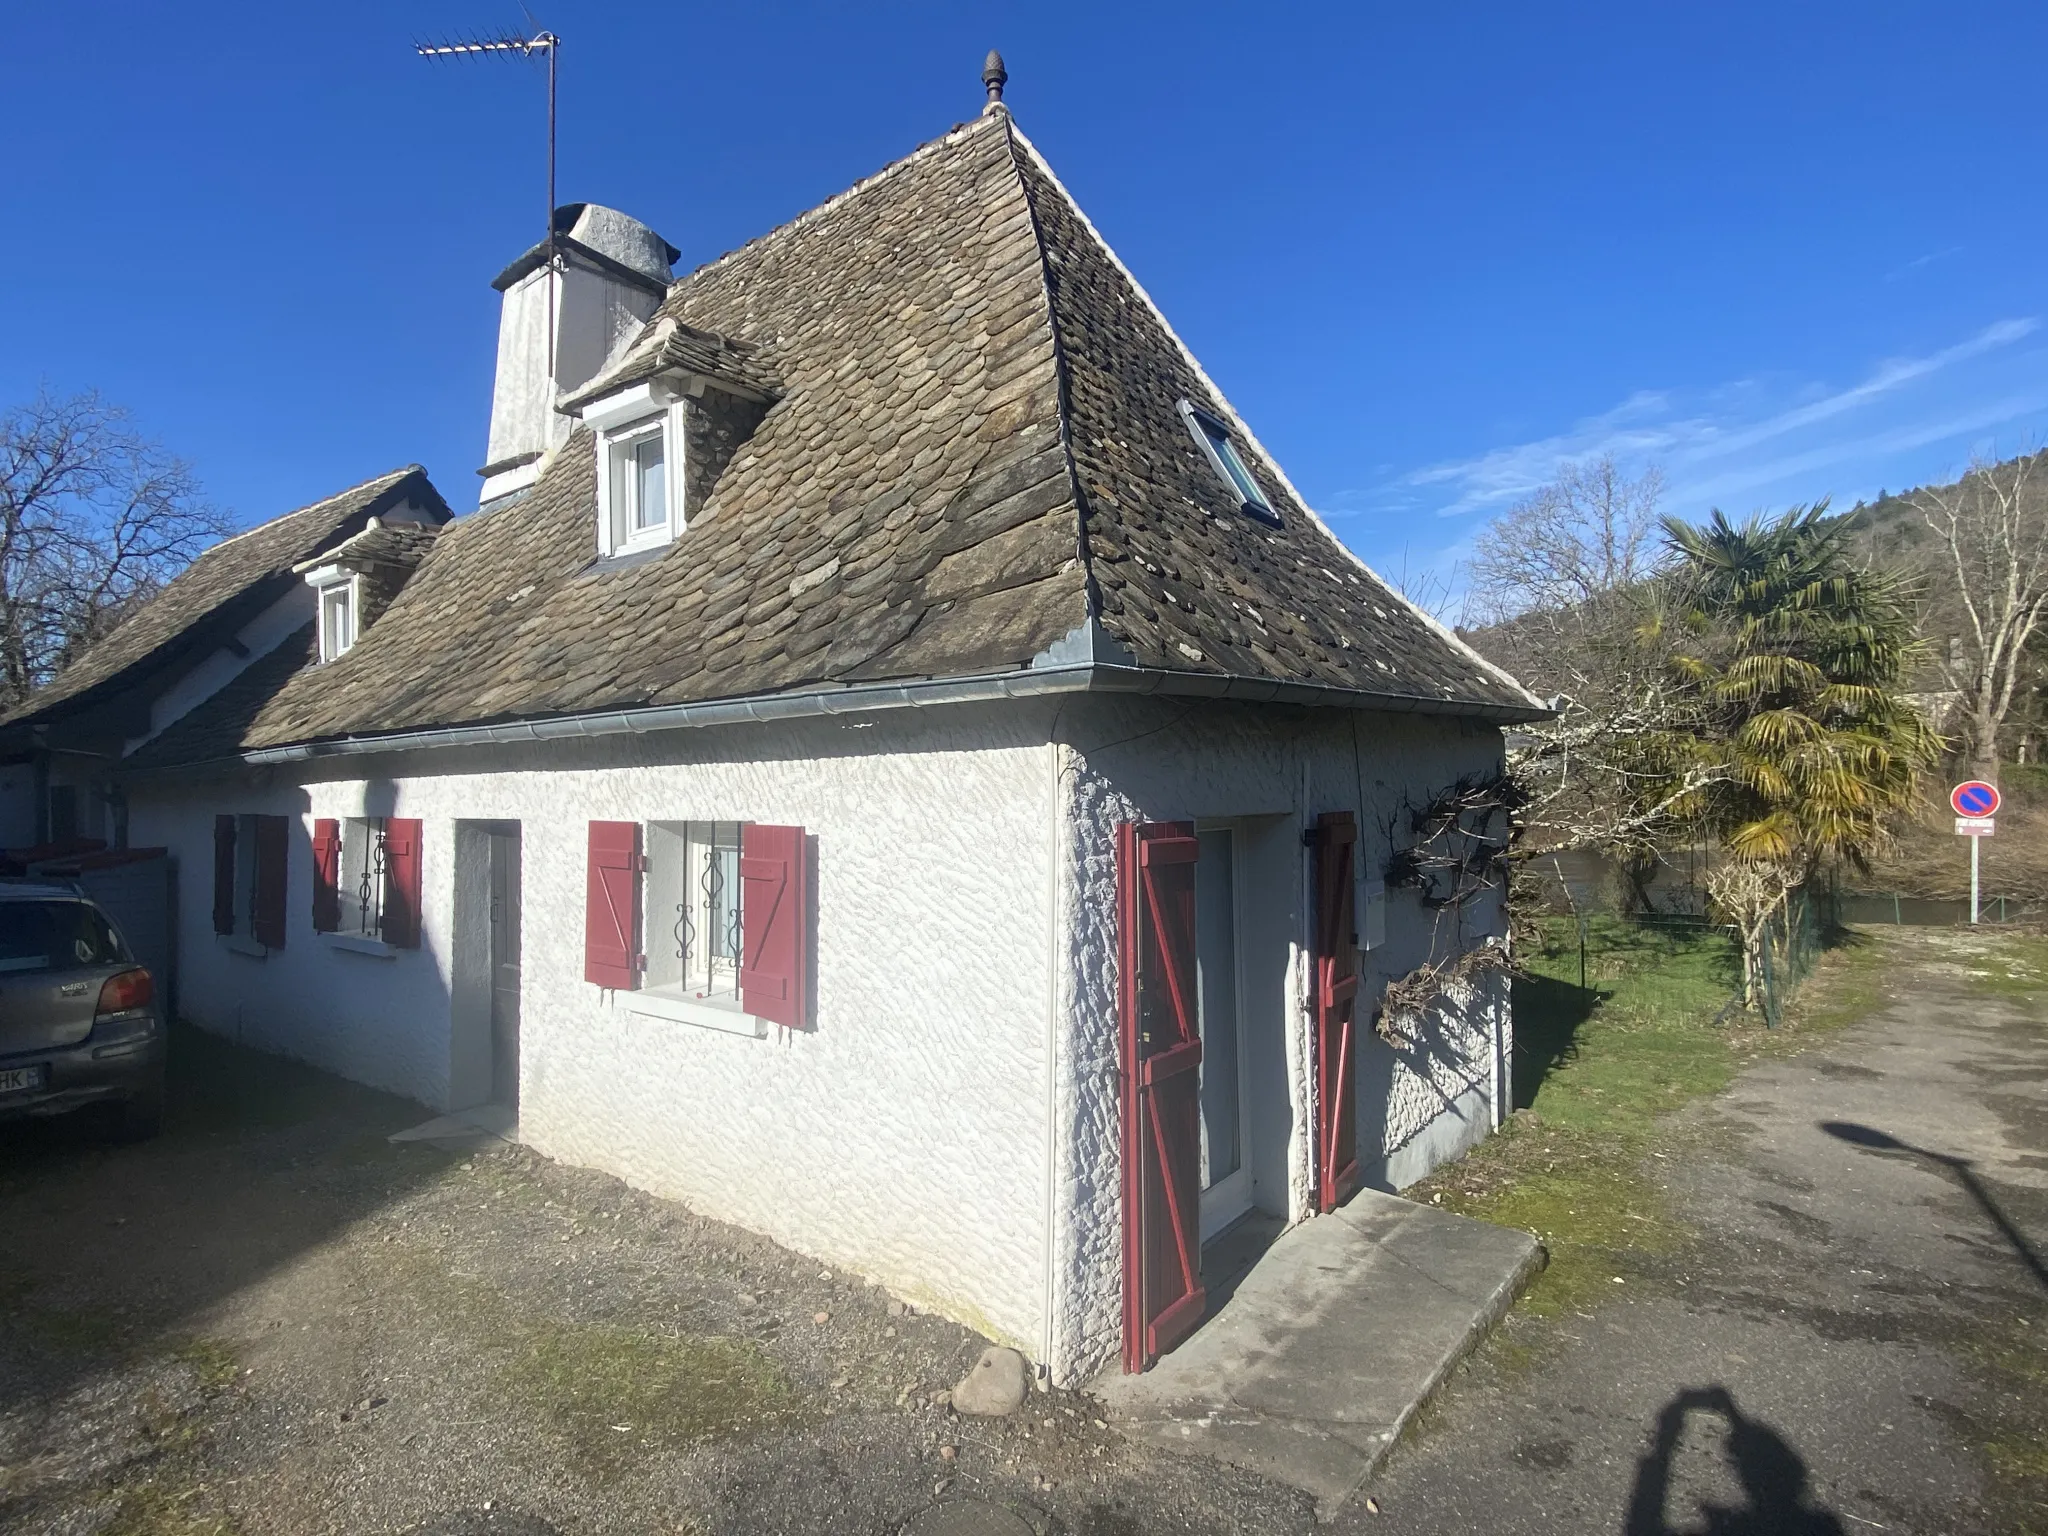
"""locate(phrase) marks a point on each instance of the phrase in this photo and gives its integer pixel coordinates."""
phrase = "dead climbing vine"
(1451, 849)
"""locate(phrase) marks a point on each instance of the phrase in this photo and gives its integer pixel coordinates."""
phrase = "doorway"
(1226, 1165)
(483, 1064)
(504, 963)
(1206, 913)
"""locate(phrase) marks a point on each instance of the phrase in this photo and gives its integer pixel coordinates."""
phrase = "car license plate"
(20, 1079)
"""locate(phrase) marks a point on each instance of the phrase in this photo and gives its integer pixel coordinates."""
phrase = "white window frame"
(330, 583)
(680, 858)
(620, 421)
(1228, 461)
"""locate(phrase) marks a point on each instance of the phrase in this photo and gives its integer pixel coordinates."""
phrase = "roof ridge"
(1091, 592)
(957, 133)
(1202, 374)
(347, 490)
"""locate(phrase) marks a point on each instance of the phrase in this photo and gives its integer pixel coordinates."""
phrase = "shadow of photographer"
(1776, 1501)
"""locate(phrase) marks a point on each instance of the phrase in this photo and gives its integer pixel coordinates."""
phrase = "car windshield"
(54, 936)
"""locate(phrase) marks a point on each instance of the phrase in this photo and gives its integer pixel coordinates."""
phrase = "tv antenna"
(539, 41)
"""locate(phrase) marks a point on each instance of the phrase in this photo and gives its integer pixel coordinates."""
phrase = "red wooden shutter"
(267, 902)
(1336, 978)
(401, 929)
(611, 911)
(1161, 1057)
(326, 875)
(223, 874)
(775, 913)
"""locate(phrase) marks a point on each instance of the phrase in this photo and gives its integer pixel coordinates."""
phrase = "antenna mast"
(539, 42)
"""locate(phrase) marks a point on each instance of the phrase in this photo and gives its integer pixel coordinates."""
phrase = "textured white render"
(1165, 760)
(904, 1137)
(950, 1126)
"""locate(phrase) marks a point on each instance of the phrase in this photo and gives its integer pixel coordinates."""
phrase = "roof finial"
(995, 77)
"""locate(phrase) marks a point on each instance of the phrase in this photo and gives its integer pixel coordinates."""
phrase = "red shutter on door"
(223, 874)
(1336, 977)
(326, 875)
(611, 911)
(267, 902)
(775, 912)
(401, 929)
(1160, 1055)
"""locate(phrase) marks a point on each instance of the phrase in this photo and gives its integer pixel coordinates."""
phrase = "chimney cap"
(995, 77)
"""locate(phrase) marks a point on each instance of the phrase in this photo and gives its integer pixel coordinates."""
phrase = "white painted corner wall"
(1273, 771)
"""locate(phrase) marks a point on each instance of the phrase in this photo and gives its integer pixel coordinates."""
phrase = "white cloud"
(1707, 448)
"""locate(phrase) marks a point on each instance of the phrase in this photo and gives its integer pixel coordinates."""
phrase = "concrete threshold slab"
(1329, 1346)
(466, 1129)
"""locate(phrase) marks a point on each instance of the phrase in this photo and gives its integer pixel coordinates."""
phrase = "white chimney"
(612, 273)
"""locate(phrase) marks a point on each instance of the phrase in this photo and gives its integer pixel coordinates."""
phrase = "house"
(891, 762)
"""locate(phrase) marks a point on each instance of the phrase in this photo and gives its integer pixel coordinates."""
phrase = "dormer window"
(337, 618)
(639, 495)
(337, 591)
(639, 485)
(1220, 448)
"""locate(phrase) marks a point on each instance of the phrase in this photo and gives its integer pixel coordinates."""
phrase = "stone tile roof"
(403, 545)
(669, 345)
(960, 368)
(221, 590)
(1186, 579)
(215, 728)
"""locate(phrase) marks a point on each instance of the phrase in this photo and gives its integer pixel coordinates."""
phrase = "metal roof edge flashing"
(864, 698)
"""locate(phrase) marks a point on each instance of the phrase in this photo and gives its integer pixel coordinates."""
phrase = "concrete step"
(1330, 1344)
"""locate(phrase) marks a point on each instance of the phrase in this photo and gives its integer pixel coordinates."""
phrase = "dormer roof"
(670, 348)
(394, 546)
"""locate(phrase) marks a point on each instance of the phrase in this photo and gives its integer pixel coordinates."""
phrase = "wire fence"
(1795, 940)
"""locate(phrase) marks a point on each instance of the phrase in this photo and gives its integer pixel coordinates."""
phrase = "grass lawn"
(1599, 1070)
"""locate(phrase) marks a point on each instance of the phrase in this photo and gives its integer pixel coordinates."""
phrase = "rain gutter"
(865, 698)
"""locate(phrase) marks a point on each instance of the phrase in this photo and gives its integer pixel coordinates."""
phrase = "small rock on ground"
(996, 1386)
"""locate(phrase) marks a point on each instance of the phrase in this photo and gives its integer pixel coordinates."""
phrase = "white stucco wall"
(1168, 760)
(950, 1126)
(905, 1136)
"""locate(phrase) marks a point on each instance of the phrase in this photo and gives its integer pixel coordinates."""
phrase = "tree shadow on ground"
(1959, 1170)
(1548, 1014)
(1776, 1499)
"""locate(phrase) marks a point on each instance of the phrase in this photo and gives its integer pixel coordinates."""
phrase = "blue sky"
(1429, 252)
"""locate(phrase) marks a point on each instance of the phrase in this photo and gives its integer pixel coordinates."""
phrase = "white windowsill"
(242, 944)
(357, 944)
(728, 1017)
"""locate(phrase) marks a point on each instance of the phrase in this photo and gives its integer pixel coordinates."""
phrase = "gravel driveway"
(274, 1320)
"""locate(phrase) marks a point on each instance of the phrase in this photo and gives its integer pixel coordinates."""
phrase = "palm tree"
(1796, 655)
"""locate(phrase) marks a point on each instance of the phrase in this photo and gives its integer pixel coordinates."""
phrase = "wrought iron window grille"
(370, 883)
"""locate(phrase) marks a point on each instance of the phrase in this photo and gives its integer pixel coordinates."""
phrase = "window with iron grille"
(693, 910)
(363, 886)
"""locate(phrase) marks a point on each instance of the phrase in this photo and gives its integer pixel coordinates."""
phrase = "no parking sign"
(1974, 798)
(1975, 804)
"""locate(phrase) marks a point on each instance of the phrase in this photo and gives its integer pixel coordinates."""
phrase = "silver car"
(80, 1022)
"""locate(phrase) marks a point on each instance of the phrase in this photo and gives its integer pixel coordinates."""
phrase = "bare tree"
(1993, 528)
(93, 518)
(1590, 532)
(1571, 579)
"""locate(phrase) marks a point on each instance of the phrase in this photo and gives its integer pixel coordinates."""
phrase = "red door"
(1336, 978)
(1161, 1057)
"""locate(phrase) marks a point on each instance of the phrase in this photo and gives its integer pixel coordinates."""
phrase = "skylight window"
(1221, 449)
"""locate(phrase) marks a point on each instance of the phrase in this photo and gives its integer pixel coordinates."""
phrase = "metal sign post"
(1975, 804)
